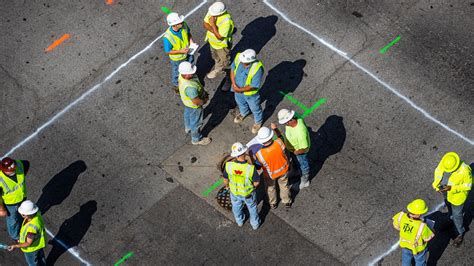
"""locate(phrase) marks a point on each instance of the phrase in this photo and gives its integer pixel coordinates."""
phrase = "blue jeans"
(457, 216)
(14, 221)
(35, 258)
(238, 205)
(193, 121)
(303, 163)
(250, 103)
(174, 69)
(420, 258)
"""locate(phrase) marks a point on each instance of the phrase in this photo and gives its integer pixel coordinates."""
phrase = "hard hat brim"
(28, 212)
(286, 119)
(261, 141)
(242, 59)
(180, 20)
(236, 154)
(194, 69)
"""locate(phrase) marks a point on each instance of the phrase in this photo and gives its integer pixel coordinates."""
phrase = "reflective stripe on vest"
(240, 184)
(226, 41)
(408, 239)
(37, 225)
(183, 84)
(13, 192)
(275, 158)
(399, 219)
(177, 43)
(253, 70)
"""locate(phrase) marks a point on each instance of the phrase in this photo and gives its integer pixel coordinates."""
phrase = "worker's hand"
(10, 248)
(185, 51)
(236, 88)
(447, 188)
(212, 20)
(273, 126)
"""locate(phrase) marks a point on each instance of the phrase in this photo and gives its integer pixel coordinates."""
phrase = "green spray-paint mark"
(306, 110)
(314, 107)
(129, 254)
(166, 10)
(218, 183)
(384, 50)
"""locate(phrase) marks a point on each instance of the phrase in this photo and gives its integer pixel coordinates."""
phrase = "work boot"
(203, 141)
(239, 118)
(213, 74)
(255, 128)
(273, 206)
(304, 184)
(458, 241)
(287, 205)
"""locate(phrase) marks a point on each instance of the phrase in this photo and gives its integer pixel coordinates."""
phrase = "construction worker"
(272, 157)
(242, 179)
(13, 190)
(32, 234)
(414, 233)
(193, 97)
(176, 43)
(246, 77)
(297, 141)
(454, 189)
(220, 26)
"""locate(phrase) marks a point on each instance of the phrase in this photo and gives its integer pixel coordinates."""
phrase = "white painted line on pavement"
(91, 90)
(381, 82)
(71, 250)
(395, 246)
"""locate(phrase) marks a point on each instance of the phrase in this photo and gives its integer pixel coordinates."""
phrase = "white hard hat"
(248, 56)
(27, 207)
(186, 68)
(264, 134)
(285, 115)
(174, 18)
(238, 149)
(216, 9)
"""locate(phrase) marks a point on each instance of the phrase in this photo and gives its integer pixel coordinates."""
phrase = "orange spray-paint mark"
(57, 42)
(109, 2)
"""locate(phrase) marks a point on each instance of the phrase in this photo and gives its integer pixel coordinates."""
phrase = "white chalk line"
(396, 245)
(73, 251)
(394, 91)
(91, 90)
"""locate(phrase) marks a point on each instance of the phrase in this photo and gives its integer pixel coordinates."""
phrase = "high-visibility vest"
(223, 22)
(459, 180)
(13, 192)
(274, 160)
(177, 43)
(36, 226)
(253, 70)
(183, 84)
(240, 178)
(411, 232)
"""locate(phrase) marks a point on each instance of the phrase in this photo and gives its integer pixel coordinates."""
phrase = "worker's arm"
(215, 30)
(276, 130)
(255, 83)
(245, 89)
(198, 101)
(438, 176)
(232, 78)
(193, 94)
(396, 219)
(301, 151)
(3, 210)
(28, 243)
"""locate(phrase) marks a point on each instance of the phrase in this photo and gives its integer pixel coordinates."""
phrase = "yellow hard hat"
(418, 207)
(450, 161)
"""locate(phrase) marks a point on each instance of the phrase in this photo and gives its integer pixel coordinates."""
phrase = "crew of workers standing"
(274, 156)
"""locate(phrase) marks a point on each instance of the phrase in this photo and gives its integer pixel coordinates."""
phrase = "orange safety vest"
(274, 160)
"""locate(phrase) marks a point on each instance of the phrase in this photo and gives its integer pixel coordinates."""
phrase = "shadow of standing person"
(60, 186)
(285, 77)
(72, 231)
(218, 108)
(256, 35)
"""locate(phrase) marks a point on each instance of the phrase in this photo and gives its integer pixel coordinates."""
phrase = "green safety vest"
(223, 21)
(240, 178)
(177, 43)
(36, 226)
(13, 192)
(183, 84)
(412, 233)
(253, 70)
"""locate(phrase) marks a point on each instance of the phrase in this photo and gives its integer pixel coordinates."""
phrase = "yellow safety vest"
(13, 192)
(253, 70)
(240, 178)
(177, 43)
(412, 232)
(460, 182)
(183, 84)
(223, 22)
(36, 226)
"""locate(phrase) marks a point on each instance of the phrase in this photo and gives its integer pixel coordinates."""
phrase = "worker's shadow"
(444, 228)
(71, 231)
(326, 141)
(284, 77)
(256, 35)
(60, 186)
(218, 108)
